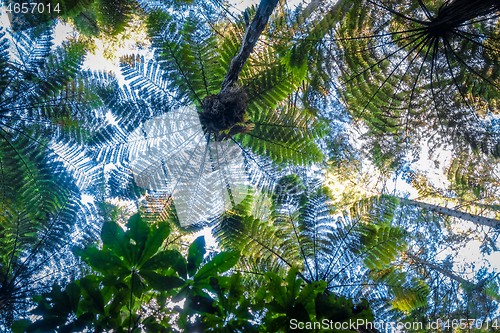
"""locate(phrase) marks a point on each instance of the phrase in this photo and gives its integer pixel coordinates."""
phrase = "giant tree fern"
(297, 229)
(197, 63)
(46, 110)
(423, 69)
(196, 151)
(42, 217)
(44, 97)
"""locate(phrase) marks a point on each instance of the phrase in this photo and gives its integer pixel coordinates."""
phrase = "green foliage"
(40, 207)
(71, 8)
(306, 303)
(114, 15)
(46, 106)
(47, 96)
(188, 55)
(195, 62)
(381, 244)
(190, 64)
(90, 17)
(403, 69)
(133, 272)
(86, 23)
(298, 260)
(298, 230)
(408, 295)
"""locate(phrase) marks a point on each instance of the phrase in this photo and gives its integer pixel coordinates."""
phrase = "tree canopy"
(271, 168)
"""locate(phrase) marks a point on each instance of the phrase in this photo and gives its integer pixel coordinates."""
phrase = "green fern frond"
(188, 56)
(408, 295)
(41, 207)
(286, 134)
(322, 247)
(374, 209)
(491, 290)
(229, 47)
(269, 86)
(114, 15)
(381, 244)
(147, 79)
(71, 8)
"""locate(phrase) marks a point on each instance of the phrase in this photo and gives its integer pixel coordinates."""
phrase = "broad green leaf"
(61, 303)
(138, 229)
(113, 236)
(163, 260)
(118, 302)
(237, 289)
(222, 262)
(292, 284)
(186, 291)
(74, 292)
(161, 299)
(154, 240)
(276, 289)
(20, 326)
(308, 295)
(160, 282)
(134, 318)
(137, 285)
(195, 255)
(276, 324)
(48, 324)
(153, 326)
(103, 261)
(90, 285)
(181, 267)
(138, 232)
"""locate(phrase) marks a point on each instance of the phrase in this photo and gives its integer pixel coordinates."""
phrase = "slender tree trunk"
(252, 34)
(477, 219)
(453, 276)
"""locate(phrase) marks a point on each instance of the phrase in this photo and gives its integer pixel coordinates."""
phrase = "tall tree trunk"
(477, 219)
(477, 287)
(252, 34)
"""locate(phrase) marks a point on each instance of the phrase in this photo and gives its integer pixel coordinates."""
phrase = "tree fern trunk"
(252, 34)
(453, 276)
(460, 11)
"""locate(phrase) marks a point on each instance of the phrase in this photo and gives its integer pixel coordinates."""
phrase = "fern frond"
(286, 134)
(148, 80)
(113, 16)
(43, 216)
(338, 251)
(381, 244)
(270, 84)
(71, 8)
(188, 56)
(408, 295)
